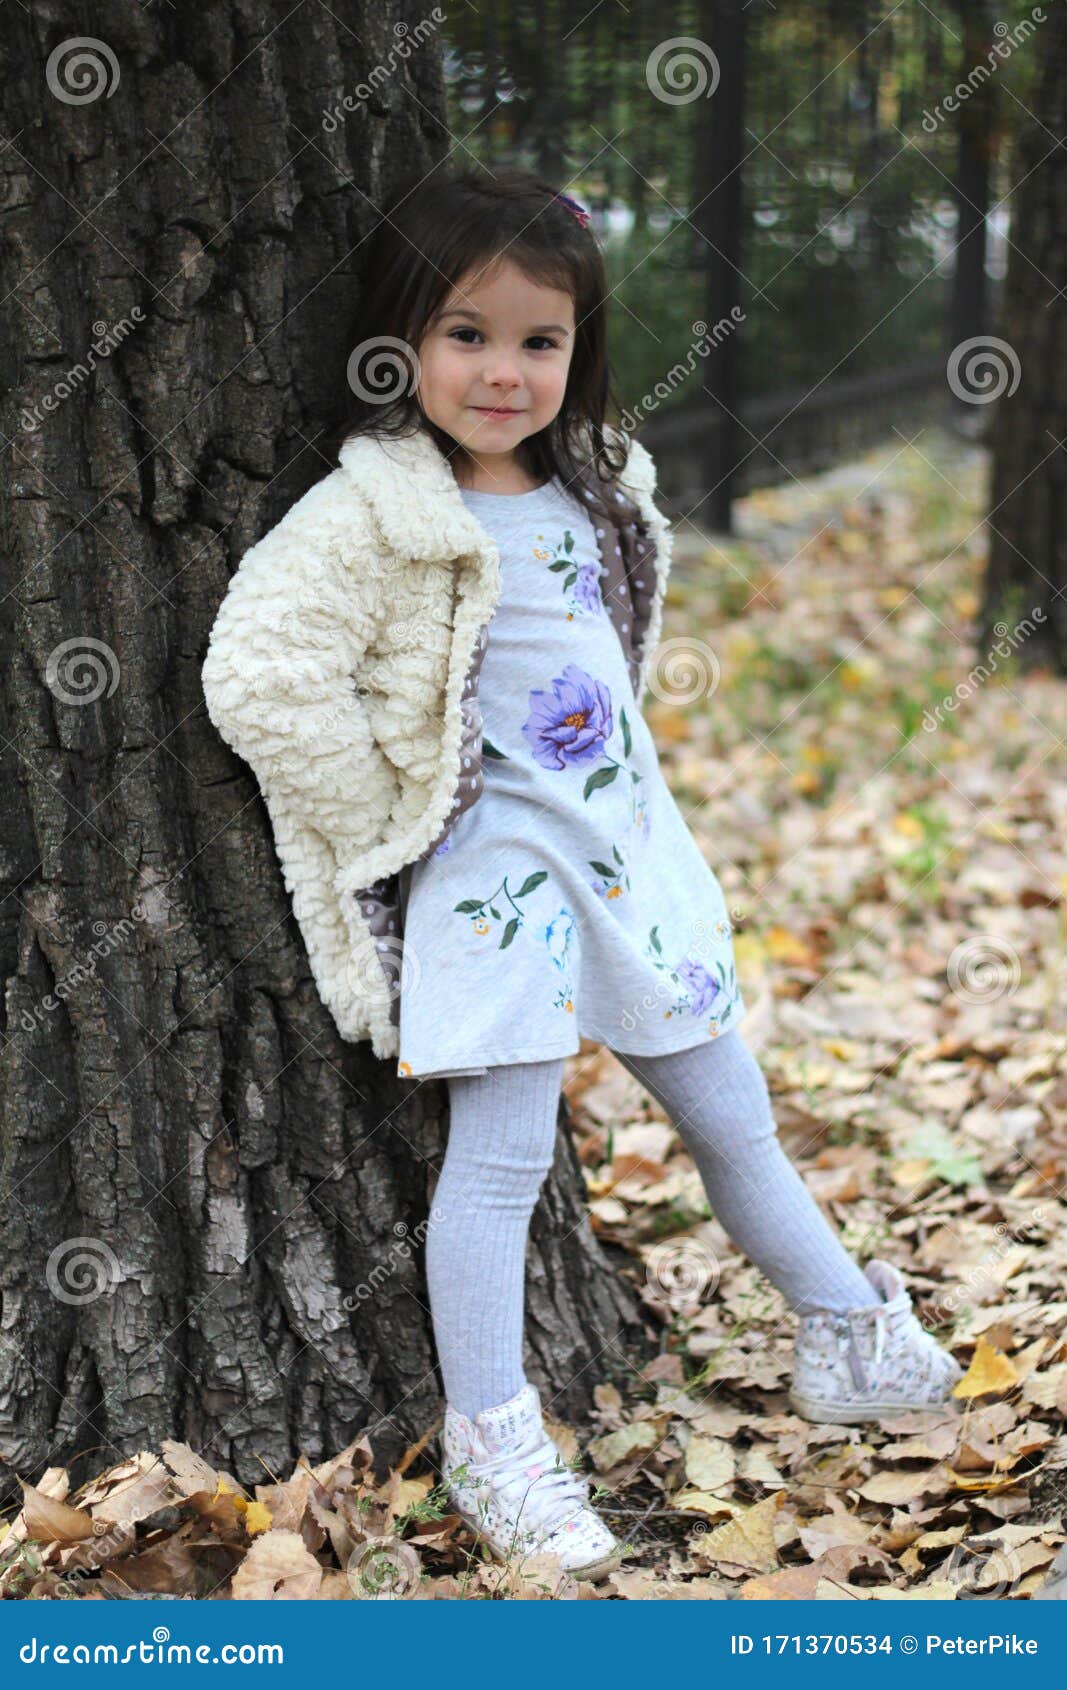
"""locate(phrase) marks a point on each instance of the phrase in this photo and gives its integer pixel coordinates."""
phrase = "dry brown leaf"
(747, 1540)
(278, 1567)
(50, 1521)
(628, 1442)
(709, 1463)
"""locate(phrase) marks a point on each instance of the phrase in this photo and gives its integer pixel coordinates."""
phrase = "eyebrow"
(476, 316)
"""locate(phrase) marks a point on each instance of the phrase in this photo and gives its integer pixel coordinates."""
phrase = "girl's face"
(494, 363)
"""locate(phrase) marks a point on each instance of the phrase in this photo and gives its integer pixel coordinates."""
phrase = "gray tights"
(501, 1138)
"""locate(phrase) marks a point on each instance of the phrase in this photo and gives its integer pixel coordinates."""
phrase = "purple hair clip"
(576, 210)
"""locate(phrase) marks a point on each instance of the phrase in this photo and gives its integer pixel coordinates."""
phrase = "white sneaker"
(869, 1362)
(511, 1484)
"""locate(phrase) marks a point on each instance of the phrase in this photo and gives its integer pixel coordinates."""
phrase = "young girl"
(488, 566)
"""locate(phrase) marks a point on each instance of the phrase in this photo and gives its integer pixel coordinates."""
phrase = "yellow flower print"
(611, 880)
(481, 909)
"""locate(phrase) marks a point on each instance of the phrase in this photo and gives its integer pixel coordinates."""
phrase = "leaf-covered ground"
(895, 873)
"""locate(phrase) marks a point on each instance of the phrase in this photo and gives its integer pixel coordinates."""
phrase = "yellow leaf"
(846, 1049)
(258, 1518)
(410, 1492)
(990, 1370)
(910, 1173)
(805, 781)
(982, 1481)
(784, 946)
(747, 1540)
(890, 597)
(672, 725)
(703, 1502)
(1002, 832)
(853, 675)
(750, 952)
(908, 825)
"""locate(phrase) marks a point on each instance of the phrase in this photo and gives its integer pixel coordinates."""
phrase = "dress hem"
(537, 1054)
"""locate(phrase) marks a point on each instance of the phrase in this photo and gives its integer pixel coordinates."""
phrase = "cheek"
(451, 374)
(438, 374)
(552, 382)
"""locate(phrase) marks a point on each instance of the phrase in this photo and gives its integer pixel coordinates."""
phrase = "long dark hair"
(431, 232)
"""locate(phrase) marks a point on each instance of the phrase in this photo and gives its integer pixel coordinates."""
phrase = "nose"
(500, 371)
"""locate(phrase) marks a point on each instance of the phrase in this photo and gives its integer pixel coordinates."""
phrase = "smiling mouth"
(496, 410)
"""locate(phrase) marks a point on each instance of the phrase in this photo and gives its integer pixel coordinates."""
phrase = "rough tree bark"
(211, 1204)
(1028, 524)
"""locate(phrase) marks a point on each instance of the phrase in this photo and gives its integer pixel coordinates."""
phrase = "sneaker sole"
(846, 1414)
(594, 1570)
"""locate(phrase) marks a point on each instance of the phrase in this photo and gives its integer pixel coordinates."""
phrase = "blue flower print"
(558, 934)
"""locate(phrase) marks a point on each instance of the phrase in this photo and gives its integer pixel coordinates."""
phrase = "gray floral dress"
(571, 899)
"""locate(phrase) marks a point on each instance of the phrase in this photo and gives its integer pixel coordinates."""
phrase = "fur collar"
(417, 504)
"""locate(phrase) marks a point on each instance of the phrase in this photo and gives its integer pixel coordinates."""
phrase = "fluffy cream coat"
(336, 669)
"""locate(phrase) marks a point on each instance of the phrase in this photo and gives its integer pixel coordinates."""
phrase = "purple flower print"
(570, 724)
(587, 588)
(704, 989)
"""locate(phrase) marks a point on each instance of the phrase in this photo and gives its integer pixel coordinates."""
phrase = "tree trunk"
(211, 1203)
(1028, 520)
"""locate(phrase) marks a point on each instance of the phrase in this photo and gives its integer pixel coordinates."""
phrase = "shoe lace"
(892, 1319)
(544, 1500)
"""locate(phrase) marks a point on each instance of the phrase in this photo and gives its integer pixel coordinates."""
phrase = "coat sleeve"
(281, 675)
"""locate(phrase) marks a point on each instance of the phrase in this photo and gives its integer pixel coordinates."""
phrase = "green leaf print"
(477, 908)
(599, 777)
(531, 882)
(614, 878)
(625, 733)
(490, 750)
